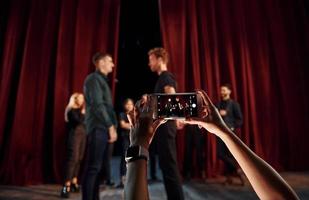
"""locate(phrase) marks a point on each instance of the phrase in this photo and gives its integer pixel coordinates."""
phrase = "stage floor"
(211, 189)
(195, 190)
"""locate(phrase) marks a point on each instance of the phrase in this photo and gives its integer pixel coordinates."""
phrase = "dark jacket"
(99, 106)
(233, 118)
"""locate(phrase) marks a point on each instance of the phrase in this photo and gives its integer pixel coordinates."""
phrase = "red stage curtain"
(261, 48)
(46, 55)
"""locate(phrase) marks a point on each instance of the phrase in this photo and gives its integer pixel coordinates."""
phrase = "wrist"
(225, 134)
(143, 143)
(136, 152)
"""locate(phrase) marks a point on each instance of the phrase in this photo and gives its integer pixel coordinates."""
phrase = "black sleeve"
(123, 116)
(169, 81)
(237, 114)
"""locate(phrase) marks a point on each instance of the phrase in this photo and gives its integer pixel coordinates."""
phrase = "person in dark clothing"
(76, 143)
(166, 134)
(153, 160)
(230, 112)
(100, 122)
(106, 165)
(194, 141)
(125, 127)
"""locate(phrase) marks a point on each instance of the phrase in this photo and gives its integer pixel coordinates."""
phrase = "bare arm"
(66, 111)
(142, 132)
(136, 182)
(169, 89)
(266, 182)
(125, 125)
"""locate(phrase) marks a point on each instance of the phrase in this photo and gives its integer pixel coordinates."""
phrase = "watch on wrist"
(136, 152)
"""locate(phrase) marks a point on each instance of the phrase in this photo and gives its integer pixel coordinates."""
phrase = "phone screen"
(175, 106)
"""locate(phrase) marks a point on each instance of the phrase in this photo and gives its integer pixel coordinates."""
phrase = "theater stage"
(211, 189)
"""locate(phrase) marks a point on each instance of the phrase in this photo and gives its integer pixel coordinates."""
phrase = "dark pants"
(194, 141)
(166, 146)
(125, 145)
(76, 144)
(96, 145)
(225, 155)
(152, 158)
(106, 172)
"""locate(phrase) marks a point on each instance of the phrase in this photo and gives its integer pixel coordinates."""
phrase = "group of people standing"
(93, 126)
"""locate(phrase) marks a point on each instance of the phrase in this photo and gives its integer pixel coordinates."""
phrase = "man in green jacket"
(100, 122)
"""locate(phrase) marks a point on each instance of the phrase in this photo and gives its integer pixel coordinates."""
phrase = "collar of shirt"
(102, 75)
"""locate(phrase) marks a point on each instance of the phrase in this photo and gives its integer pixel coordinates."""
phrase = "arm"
(141, 134)
(125, 125)
(66, 112)
(69, 107)
(169, 84)
(266, 182)
(136, 181)
(169, 89)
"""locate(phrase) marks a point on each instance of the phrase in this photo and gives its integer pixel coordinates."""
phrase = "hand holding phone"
(176, 106)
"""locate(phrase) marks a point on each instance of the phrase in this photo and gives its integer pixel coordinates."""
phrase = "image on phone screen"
(175, 106)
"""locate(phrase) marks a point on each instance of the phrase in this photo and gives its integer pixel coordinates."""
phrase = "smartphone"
(176, 106)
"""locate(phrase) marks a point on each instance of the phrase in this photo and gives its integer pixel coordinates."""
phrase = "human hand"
(112, 134)
(143, 126)
(179, 124)
(72, 101)
(209, 116)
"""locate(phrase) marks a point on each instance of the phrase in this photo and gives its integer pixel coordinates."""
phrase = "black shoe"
(65, 192)
(109, 183)
(154, 178)
(120, 185)
(75, 188)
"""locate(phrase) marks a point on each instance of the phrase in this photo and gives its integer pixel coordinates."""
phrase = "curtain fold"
(260, 48)
(47, 52)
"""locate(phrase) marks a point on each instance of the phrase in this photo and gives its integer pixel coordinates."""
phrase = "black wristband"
(136, 158)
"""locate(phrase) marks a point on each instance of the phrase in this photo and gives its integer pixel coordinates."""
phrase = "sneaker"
(65, 192)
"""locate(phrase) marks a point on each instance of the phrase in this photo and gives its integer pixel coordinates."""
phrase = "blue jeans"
(96, 145)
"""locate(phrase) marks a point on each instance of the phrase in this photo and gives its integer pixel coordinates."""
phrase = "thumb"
(157, 123)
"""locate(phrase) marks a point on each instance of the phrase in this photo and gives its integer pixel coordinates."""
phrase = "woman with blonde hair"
(76, 143)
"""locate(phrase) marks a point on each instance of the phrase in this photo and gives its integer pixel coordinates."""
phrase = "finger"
(204, 111)
(158, 123)
(139, 107)
(192, 120)
(148, 106)
(152, 104)
(144, 98)
(205, 97)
